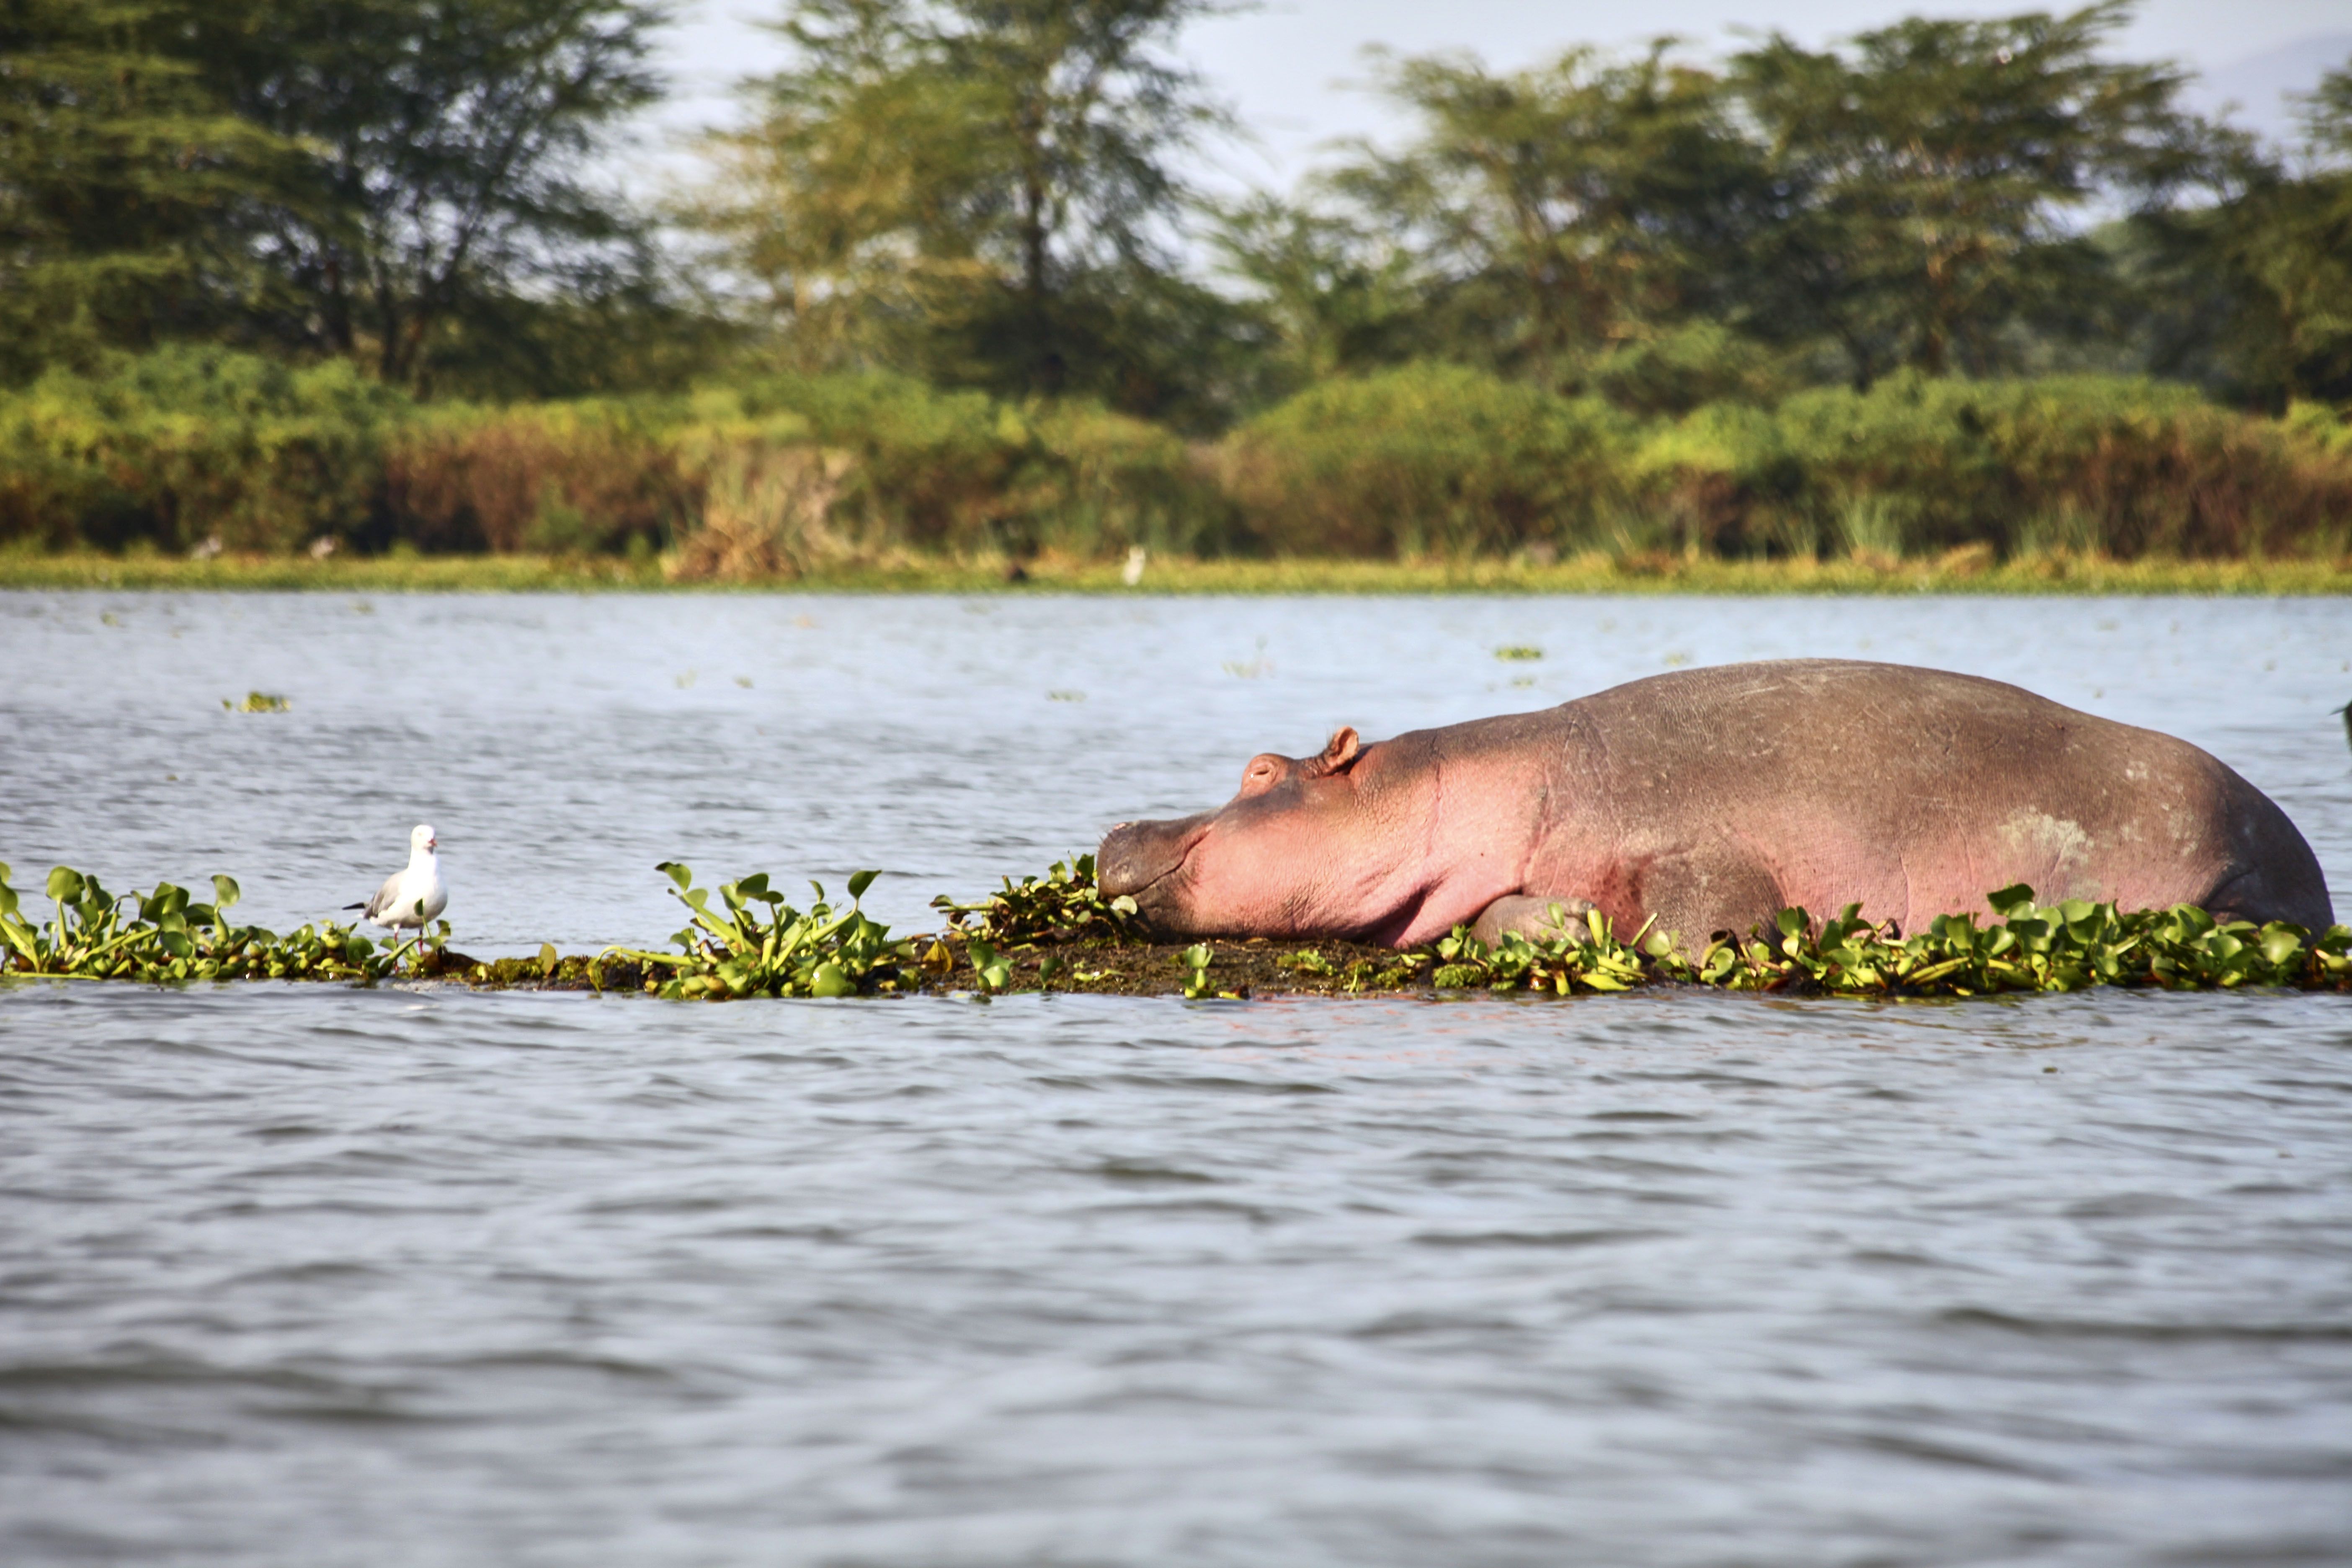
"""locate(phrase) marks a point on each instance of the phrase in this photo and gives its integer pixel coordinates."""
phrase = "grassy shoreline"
(1964, 573)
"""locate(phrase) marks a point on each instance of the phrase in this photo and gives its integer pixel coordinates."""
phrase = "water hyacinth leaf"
(832, 980)
(2010, 901)
(547, 958)
(859, 881)
(226, 893)
(66, 885)
(2279, 943)
(679, 872)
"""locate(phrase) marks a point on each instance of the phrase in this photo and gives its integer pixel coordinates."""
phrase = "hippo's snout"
(1142, 860)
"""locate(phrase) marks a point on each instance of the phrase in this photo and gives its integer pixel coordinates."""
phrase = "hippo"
(1705, 801)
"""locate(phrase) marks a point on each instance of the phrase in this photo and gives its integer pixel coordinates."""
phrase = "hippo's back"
(1818, 782)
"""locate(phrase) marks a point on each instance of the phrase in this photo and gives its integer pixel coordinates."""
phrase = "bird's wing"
(386, 896)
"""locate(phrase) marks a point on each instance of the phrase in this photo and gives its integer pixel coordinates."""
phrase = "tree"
(1334, 295)
(2282, 247)
(448, 145)
(121, 174)
(1928, 175)
(968, 187)
(1556, 214)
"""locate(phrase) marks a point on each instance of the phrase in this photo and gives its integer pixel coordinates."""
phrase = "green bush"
(1111, 482)
(553, 477)
(960, 471)
(786, 475)
(191, 444)
(2092, 464)
(1429, 459)
(929, 469)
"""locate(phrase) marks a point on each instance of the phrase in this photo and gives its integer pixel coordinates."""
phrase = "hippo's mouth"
(1146, 861)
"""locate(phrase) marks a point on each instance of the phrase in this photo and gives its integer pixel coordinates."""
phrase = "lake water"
(316, 1275)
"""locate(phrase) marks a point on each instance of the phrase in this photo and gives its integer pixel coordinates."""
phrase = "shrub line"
(851, 476)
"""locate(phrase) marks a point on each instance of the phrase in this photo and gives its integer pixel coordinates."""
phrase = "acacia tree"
(974, 186)
(2281, 248)
(845, 198)
(1333, 290)
(1928, 175)
(1559, 213)
(446, 177)
(121, 172)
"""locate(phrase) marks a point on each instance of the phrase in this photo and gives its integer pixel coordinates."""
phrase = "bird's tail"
(361, 905)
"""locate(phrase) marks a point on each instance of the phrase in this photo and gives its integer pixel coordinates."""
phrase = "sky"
(1285, 66)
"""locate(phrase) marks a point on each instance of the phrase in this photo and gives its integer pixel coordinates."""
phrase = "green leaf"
(832, 980)
(66, 885)
(2010, 901)
(226, 893)
(547, 958)
(859, 881)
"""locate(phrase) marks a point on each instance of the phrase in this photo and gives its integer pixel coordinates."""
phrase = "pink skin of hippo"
(1710, 799)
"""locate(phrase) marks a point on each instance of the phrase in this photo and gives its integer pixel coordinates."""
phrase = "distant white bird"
(413, 897)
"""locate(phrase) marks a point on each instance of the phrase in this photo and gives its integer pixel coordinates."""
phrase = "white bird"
(415, 897)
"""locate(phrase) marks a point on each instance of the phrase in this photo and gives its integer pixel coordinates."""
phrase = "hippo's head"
(1282, 857)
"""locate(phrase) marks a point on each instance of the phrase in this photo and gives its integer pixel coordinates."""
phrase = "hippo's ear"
(1339, 756)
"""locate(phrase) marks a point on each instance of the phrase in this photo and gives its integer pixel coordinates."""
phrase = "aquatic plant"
(2065, 946)
(166, 936)
(1057, 932)
(729, 950)
(1062, 906)
(258, 702)
(1193, 964)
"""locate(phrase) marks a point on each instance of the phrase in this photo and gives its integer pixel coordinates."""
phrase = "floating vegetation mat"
(1056, 932)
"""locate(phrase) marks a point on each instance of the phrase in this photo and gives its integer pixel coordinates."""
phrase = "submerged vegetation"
(1056, 932)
